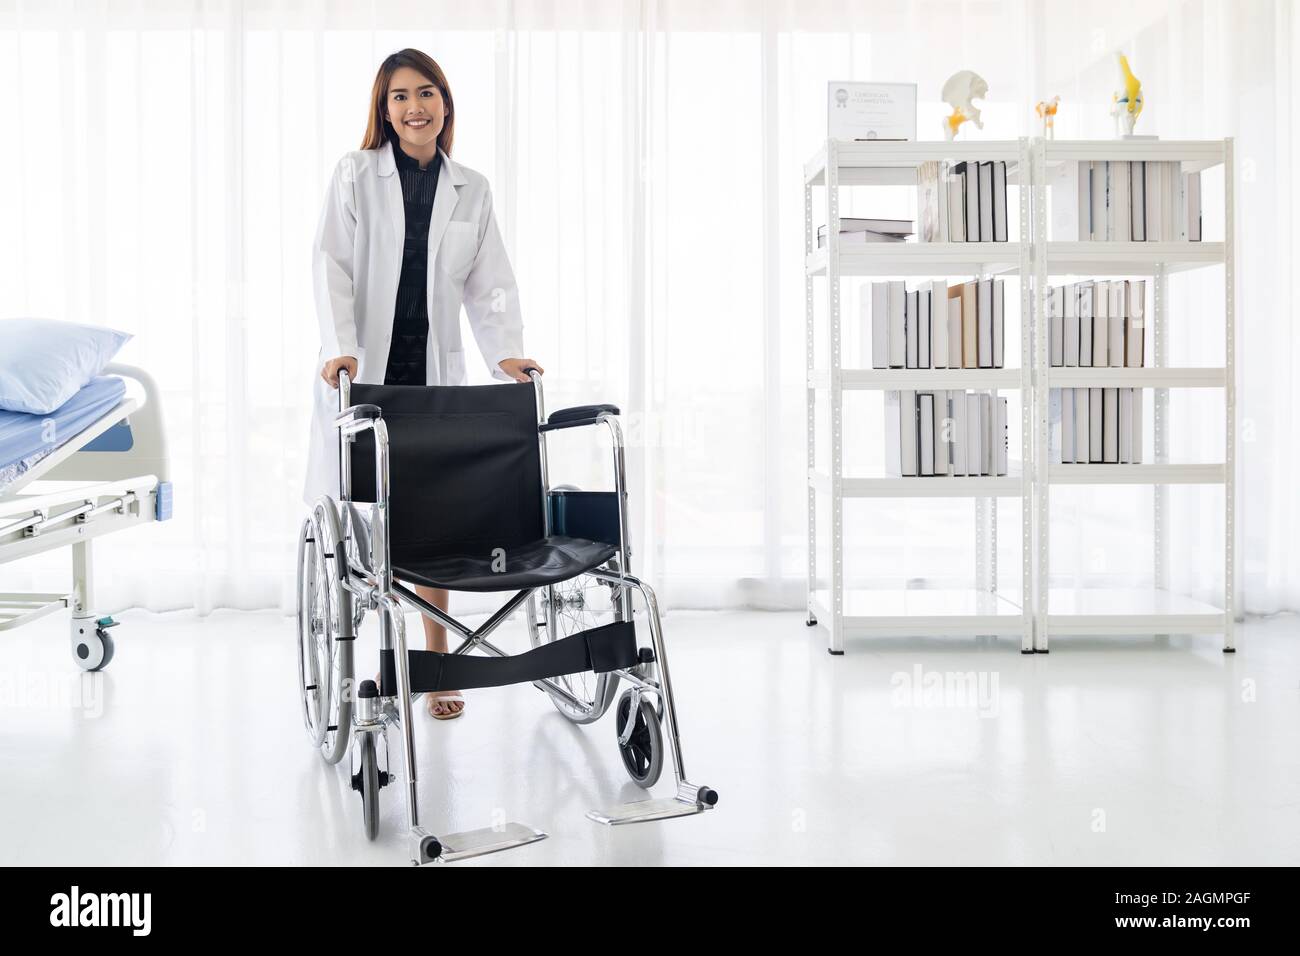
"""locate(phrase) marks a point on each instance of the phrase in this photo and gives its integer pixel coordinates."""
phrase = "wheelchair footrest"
(600, 649)
(461, 846)
(690, 800)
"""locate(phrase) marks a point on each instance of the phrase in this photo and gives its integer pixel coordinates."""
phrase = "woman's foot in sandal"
(446, 705)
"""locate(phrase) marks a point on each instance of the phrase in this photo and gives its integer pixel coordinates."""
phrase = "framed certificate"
(871, 110)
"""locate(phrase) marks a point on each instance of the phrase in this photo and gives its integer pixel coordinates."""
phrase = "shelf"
(1002, 486)
(1071, 377)
(920, 379)
(1129, 611)
(1130, 258)
(912, 612)
(894, 163)
(1211, 474)
(1195, 155)
(919, 259)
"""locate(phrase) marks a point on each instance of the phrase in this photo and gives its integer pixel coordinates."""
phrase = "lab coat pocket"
(458, 248)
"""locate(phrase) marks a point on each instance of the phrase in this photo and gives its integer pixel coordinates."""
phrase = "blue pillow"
(43, 363)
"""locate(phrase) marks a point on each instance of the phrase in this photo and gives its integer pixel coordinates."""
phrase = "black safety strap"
(601, 649)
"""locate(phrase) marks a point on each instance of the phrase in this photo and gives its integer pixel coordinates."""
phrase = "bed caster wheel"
(642, 749)
(92, 646)
(430, 849)
(707, 797)
(366, 782)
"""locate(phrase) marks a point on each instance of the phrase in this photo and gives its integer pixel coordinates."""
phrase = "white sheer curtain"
(163, 166)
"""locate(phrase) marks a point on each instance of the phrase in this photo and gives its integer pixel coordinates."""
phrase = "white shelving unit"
(1156, 610)
(907, 612)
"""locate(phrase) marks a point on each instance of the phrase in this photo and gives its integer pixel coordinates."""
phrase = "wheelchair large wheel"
(643, 754)
(561, 610)
(324, 633)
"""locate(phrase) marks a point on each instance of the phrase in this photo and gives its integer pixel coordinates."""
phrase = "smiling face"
(416, 110)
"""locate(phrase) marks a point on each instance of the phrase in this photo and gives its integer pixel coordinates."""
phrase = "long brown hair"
(378, 129)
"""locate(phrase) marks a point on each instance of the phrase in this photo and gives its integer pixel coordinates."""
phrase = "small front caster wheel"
(366, 780)
(92, 646)
(643, 754)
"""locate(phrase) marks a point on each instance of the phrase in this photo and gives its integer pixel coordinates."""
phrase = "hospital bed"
(449, 487)
(94, 466)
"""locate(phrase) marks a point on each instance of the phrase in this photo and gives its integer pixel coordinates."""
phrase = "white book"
(1095, 425)
(925, 417)
(927, 201)
(1111, 214)
(988, 456)
(900, 434)
(1071, 321)
(1193, 207)
(942, 434)
(1110, 425)
(1081, 430)
(986, 201)
(1054, 425)
(1180, 199)
(969, 326)
(1154, 191)
(957, 408)
(1120, 204)
(1135, 324)
(956, 200)
(1118, 310)
(999, 324)
(1097, 189)
(954, 327)
(923, 327)
(1125, 426)
(1067, 426)
(971, 188)
(1137, 425)
(938, 309)
(999, 201)
(1056, 313)
(897, 324)
(880, 325)
(1071, 202)
(1138, 203)
(1000, 437)
(984, 317)
(1100, 322)
(1085, 324)
(944, 177)
(974, 443)
(912, 331)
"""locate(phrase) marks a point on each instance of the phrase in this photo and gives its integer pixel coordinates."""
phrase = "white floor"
(1125, 751)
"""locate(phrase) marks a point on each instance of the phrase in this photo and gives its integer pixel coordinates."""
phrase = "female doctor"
(407, 237)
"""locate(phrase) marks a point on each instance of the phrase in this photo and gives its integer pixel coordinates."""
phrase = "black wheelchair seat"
(534, 564)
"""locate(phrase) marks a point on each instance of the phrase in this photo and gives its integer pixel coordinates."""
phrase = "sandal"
(441, 698)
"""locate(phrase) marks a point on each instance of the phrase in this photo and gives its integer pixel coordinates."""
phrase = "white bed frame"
(106, 491)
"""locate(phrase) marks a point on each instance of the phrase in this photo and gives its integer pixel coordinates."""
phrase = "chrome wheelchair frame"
(345, 569)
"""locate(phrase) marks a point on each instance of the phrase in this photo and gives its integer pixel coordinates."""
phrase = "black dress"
(406, 354)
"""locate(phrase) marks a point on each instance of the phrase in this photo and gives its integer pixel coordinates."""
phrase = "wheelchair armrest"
(358, 413)
(577, 416)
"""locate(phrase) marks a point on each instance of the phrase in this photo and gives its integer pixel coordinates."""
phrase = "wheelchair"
(447, 486)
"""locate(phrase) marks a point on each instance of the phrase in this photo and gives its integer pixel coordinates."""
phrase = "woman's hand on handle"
(330, 371)
(518, 368)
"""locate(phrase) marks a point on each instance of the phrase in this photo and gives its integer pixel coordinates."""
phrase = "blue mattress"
(26, 439)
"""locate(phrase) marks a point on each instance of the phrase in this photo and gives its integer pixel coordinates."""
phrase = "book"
(1125, 450)
(913, 337)
(1000, 437)
(1081, 426)
(1154, 190)
(900, 434)
(1056, 318)
(1100, 322)
(1194, 207)
(1071, 323)
(999, 323)
(1000, 201)
(955, 201)
(1067, 425)
(1085, 324)
(942, 431)
(974, 442)
(1121, 210)
(928, 202)
(954, 326)
(1115, 335)
(925, 419)
(1097, 192)
(971, 192)
(1071, 202)
(937, 309)
(1096, 424)
(957, 409)
(1137, 425)
(1109, 425)
(923, 359)
(984, 316)
(969, 327)
(897, 334)
(1137, 201)
(880, 325)
(986, 201)
(891, 227)
(1134, 324)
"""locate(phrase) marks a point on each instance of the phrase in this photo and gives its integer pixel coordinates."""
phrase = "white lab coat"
(356, 263)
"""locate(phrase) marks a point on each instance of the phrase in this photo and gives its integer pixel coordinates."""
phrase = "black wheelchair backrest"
(464, 467)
